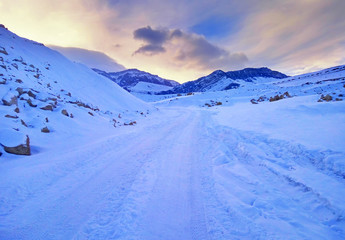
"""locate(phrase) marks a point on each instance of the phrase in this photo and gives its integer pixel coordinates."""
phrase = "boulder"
(10, 99)
(326, 98)
(21, 149)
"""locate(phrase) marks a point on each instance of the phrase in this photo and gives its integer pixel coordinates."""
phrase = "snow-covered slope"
(129, 80)
(37, 84)
(219, 80)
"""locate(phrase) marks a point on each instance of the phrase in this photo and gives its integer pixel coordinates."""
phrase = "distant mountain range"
(220, 80)
(132, 80)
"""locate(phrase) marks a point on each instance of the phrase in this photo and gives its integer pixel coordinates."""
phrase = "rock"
(326, 98)
(17, 110)
(287, 94)
(30, 103)
(31, 94)
(64, 112)
(19, 81)
(71, 115)
(23, 123)
(3, 51)
(48, 107)
(45, 130)
(219, 103)
(90, 113)
(253, 101)
(22, 149)
(20, 91)
(10, 99)
(10, 116)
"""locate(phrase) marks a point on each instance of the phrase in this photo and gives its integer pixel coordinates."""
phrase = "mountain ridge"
(129, 78)
(225, 80)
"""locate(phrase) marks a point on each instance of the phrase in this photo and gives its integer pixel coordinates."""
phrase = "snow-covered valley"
(246, 163)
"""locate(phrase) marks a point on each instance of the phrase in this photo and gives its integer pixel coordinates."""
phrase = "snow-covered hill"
(219, 80)
(132, 80)
(41, 89)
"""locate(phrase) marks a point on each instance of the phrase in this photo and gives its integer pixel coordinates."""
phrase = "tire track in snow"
(257, 177)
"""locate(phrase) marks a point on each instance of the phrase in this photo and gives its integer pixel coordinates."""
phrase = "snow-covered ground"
(205, 166)
(181, 173)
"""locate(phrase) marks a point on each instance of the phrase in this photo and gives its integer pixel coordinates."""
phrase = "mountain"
(220, 80)
(92, 59)
(134, 80)
(42, 91)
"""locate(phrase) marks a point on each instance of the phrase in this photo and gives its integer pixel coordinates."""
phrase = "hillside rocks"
(279, 97)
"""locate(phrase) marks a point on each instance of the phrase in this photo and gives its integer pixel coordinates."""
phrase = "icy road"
(176, 175)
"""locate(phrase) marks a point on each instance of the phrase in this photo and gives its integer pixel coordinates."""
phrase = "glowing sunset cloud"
(183, 40)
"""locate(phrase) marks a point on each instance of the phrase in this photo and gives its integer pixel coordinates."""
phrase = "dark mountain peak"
(220, 80)
(130, 77)
(249, 73)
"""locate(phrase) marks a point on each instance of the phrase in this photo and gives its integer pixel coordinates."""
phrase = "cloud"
(192, 50)
(195, 51)
(154, 40)
(294, 36)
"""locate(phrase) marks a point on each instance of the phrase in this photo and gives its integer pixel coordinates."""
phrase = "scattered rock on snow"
(10, 116)
(47, 107)
(64, 112)
(45, 130)
(23, 123)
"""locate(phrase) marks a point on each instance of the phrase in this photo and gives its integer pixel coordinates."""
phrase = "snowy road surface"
(176, 175)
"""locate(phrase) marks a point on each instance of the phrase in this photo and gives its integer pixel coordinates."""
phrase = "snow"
(272, 170)
(144, 87)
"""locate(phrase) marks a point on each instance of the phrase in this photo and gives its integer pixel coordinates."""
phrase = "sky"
(186, 39)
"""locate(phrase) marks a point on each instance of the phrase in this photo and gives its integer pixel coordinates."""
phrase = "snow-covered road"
(176, 175)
